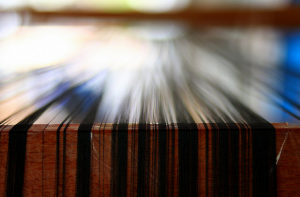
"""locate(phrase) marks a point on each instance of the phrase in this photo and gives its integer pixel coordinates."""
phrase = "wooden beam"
(286, 17)
(40, 167)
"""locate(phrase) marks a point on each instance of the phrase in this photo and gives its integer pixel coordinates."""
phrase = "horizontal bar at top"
(287, 17)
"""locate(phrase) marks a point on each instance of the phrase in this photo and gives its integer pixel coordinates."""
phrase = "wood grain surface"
(40, 166)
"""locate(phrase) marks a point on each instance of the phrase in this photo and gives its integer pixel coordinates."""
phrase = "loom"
(173, 127)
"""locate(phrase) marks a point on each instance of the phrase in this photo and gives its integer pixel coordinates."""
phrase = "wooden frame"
(286, 17)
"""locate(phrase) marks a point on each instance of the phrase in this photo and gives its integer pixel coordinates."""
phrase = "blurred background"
(34, 45)
(139, 5)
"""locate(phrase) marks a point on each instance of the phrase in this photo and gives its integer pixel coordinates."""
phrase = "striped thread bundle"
(140, 160)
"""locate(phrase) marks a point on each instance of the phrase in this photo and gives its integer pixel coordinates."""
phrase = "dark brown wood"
(40, 163)
(288, 166)
(285, 17)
